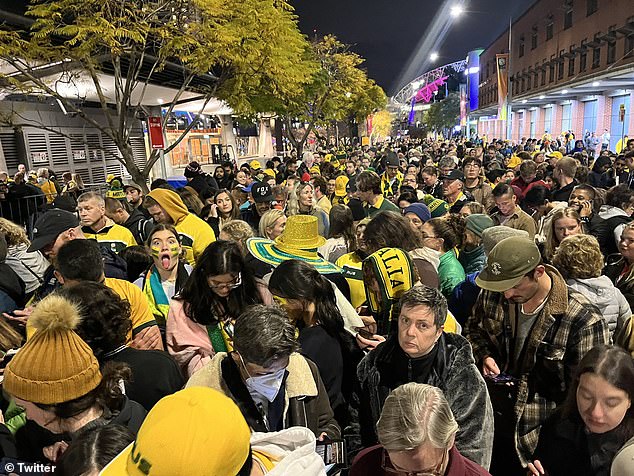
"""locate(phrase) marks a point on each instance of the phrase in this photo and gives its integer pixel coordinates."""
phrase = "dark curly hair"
(105, 323)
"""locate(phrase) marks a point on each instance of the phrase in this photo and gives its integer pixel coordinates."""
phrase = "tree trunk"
(138, 176)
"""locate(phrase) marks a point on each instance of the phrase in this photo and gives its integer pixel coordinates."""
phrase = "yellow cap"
(269, 172)
(197, 431)
(341, 183)
(514, 162)
(255, 165)
(109, 178)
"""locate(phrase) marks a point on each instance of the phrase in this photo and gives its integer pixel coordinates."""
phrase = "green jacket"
(450, 273)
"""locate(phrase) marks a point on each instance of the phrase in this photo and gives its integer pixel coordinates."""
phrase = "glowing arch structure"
(422, 88)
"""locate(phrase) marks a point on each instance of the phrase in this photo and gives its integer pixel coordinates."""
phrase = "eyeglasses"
(236, 282)
(386, 465)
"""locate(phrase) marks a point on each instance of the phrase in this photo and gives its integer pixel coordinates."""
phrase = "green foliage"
(249, 52)
(443, 114)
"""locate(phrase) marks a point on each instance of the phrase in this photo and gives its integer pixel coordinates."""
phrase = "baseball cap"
(455, 174)
(197, 431)
(255, 165)
(392, 160)
(261, 192)
(49, 226)
(340, 185)
(109, 178)
(131, 184)
(555, 155)
(508, 263)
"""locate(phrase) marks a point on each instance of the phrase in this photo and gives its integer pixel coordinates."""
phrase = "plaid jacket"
(568, 326)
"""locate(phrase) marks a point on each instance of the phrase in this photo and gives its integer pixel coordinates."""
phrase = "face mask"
(267, 385)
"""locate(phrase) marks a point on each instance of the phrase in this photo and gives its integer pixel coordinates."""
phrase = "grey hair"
(422, 295)
(264, 335)
(84, 197)
(414, 414)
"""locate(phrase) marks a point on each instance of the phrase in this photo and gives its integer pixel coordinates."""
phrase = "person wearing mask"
(472, 256)
(475, 184)
(445, 236)
(417, 434)
(167, 207)
(370, 193)
(564, 173)
(262, 199)
(309, 300)
(274, 386)
(453, 191)
(584, 435)
(579, 260)
(302, 202)
(509, 212)
(599, 176)
(272, 224)
(104, 325)
(91, 208)
(124, 215)
(422, 351)
(201, 316)
(63, 395)
(528, 331)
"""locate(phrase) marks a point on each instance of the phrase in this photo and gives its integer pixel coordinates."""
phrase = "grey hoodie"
(608, 299)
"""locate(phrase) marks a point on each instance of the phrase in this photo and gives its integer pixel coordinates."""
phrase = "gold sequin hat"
(299, 240)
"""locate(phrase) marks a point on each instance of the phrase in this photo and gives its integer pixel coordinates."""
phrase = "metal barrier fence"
(24, 210)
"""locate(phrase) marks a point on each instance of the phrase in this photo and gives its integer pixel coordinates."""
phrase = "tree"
(381, 124)
(239, 51)
(443, 115)
(338, 89)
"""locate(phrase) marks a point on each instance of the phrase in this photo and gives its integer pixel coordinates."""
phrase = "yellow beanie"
(55, 365)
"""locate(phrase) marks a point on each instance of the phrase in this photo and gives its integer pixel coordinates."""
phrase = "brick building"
(571, 68)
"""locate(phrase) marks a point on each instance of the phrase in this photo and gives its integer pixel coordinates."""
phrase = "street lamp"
(456, 11)
(433, 56)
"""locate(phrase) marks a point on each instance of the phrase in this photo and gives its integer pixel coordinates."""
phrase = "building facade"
(571, 68)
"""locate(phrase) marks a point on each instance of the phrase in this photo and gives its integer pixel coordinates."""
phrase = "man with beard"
(134, 196)
(528, 331)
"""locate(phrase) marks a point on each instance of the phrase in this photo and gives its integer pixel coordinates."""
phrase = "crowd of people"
(442, 307)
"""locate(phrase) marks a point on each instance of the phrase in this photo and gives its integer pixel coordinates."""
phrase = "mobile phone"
(333, 453)
(364, 333)
(502, 378)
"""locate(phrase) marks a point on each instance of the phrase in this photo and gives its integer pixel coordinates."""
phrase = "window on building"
(629, 45)
(543, 81)
(536, 76)
(596, 53)
(592, 6)
(551, 69)
(571, 66)
(560, 65)
(583, 56)
(534, 38)
(488, 69)
(523, 81)
(550, 25)
(521, 46)
(611, 52)
(567, 14)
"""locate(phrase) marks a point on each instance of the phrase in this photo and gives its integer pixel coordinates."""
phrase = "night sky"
(388, 32)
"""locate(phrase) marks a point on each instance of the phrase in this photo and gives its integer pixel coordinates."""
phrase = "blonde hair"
(579, 257)
(268, 220)
(292, 206)
(239, 231)
(414, 414)
(551, 244)
(14, 234)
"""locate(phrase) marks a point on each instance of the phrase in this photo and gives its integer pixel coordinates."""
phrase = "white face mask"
(267, 385)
